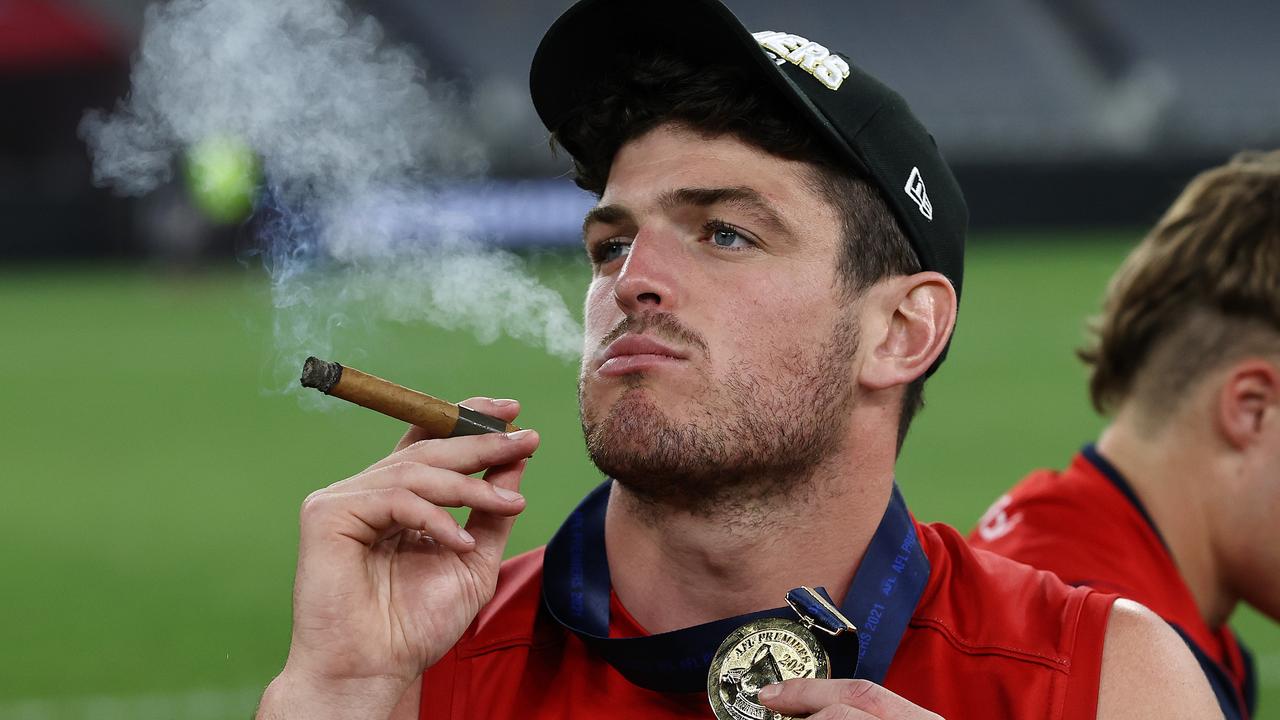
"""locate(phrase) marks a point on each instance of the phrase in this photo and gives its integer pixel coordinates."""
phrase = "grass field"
(151, 480)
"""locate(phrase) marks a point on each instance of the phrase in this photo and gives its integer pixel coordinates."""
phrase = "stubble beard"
(754, 440)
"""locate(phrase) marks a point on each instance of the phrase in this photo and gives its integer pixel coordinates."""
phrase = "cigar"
(440, 418)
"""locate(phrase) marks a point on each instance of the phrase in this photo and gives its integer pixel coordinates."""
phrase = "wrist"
(298, 695)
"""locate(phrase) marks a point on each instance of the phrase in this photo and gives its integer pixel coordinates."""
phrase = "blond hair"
(1202, 289)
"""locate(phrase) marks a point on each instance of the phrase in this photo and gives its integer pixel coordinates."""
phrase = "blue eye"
(612, 250)
(727, 236)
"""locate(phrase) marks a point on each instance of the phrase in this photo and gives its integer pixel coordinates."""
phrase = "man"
(1176, 504)
(777, 256)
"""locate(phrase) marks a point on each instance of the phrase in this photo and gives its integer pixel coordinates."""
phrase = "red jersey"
(1088, 527)
(984, 637)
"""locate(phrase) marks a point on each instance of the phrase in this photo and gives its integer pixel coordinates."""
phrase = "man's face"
(719, 341)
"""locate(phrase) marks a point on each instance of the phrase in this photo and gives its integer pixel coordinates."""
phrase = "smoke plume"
(354, 142)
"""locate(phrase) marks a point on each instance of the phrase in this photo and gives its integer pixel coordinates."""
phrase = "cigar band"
(471, 422)
(769, 650)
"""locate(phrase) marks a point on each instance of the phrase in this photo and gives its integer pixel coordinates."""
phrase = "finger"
(491, 530)
(843, 712)
(366, 516)
(412, 435)
(503, 409)
(437, 486)
(808, 695)
(467, 454)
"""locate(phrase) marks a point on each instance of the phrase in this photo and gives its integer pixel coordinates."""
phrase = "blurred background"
(151, 476)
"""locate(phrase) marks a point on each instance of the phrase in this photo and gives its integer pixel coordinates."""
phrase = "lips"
(631, 353)
(640, 345)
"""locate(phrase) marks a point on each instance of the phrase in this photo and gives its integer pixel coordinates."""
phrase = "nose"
(647, 281)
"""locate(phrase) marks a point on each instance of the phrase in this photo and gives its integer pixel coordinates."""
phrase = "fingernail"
(508, 495)
(769, 692)
(504, 402)
(520, 434)
(466, 536)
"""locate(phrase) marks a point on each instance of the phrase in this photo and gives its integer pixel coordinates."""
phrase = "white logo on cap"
(915, 191)
(830, 69)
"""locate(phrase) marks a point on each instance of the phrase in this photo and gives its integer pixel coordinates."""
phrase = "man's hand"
(387, 581)
(840, 700)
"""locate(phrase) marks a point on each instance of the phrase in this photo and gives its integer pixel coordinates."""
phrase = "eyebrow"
(607, 215)
(743, 198)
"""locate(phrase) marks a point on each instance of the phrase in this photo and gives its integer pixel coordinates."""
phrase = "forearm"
(290, 697)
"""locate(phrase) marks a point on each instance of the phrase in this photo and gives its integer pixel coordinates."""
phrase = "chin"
(697, 440)
(636, 435)
(626, 412)
(613, 399)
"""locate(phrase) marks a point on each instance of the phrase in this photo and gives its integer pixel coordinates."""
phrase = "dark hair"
(726, 100)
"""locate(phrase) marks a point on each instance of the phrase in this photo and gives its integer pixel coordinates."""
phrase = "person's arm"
(1148, 671)
(387, 581)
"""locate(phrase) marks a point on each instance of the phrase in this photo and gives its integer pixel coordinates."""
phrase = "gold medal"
(760, 653)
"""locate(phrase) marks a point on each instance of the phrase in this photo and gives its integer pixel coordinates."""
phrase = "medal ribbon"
(576, 588)
(817, 610)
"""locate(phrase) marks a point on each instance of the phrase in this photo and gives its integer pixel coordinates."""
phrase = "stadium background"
(151, 480)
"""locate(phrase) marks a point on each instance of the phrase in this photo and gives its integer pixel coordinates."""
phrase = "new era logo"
(915, 191)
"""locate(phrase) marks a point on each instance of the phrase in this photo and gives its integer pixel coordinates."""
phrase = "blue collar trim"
(1113, 474)
(576, 591)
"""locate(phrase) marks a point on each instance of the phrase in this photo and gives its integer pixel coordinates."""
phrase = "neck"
(1173, 474)
(673, 569)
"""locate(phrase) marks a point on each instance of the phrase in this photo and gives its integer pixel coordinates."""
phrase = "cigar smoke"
(350, 132)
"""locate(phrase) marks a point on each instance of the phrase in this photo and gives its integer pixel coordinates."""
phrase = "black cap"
(862, 119)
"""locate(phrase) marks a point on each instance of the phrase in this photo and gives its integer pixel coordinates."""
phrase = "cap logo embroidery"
(915, 191)
(830, 69)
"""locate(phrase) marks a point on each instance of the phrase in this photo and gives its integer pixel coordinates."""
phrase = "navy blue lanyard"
(576, 590)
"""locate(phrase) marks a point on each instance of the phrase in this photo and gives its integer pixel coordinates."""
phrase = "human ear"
(1248, 401)
(917, 314)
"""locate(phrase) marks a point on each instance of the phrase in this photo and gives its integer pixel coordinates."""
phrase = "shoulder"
(1148, 671)
(969, 586)
(1014, 640)
(1074, 524)
(1047, 499)
(1088, 529)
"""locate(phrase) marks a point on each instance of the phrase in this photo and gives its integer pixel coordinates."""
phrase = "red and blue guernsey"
(964, 633)
(1087, 526)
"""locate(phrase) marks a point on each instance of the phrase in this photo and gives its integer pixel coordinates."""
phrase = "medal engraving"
(760, 653)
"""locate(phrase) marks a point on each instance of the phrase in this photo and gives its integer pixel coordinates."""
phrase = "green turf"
(151, 481)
